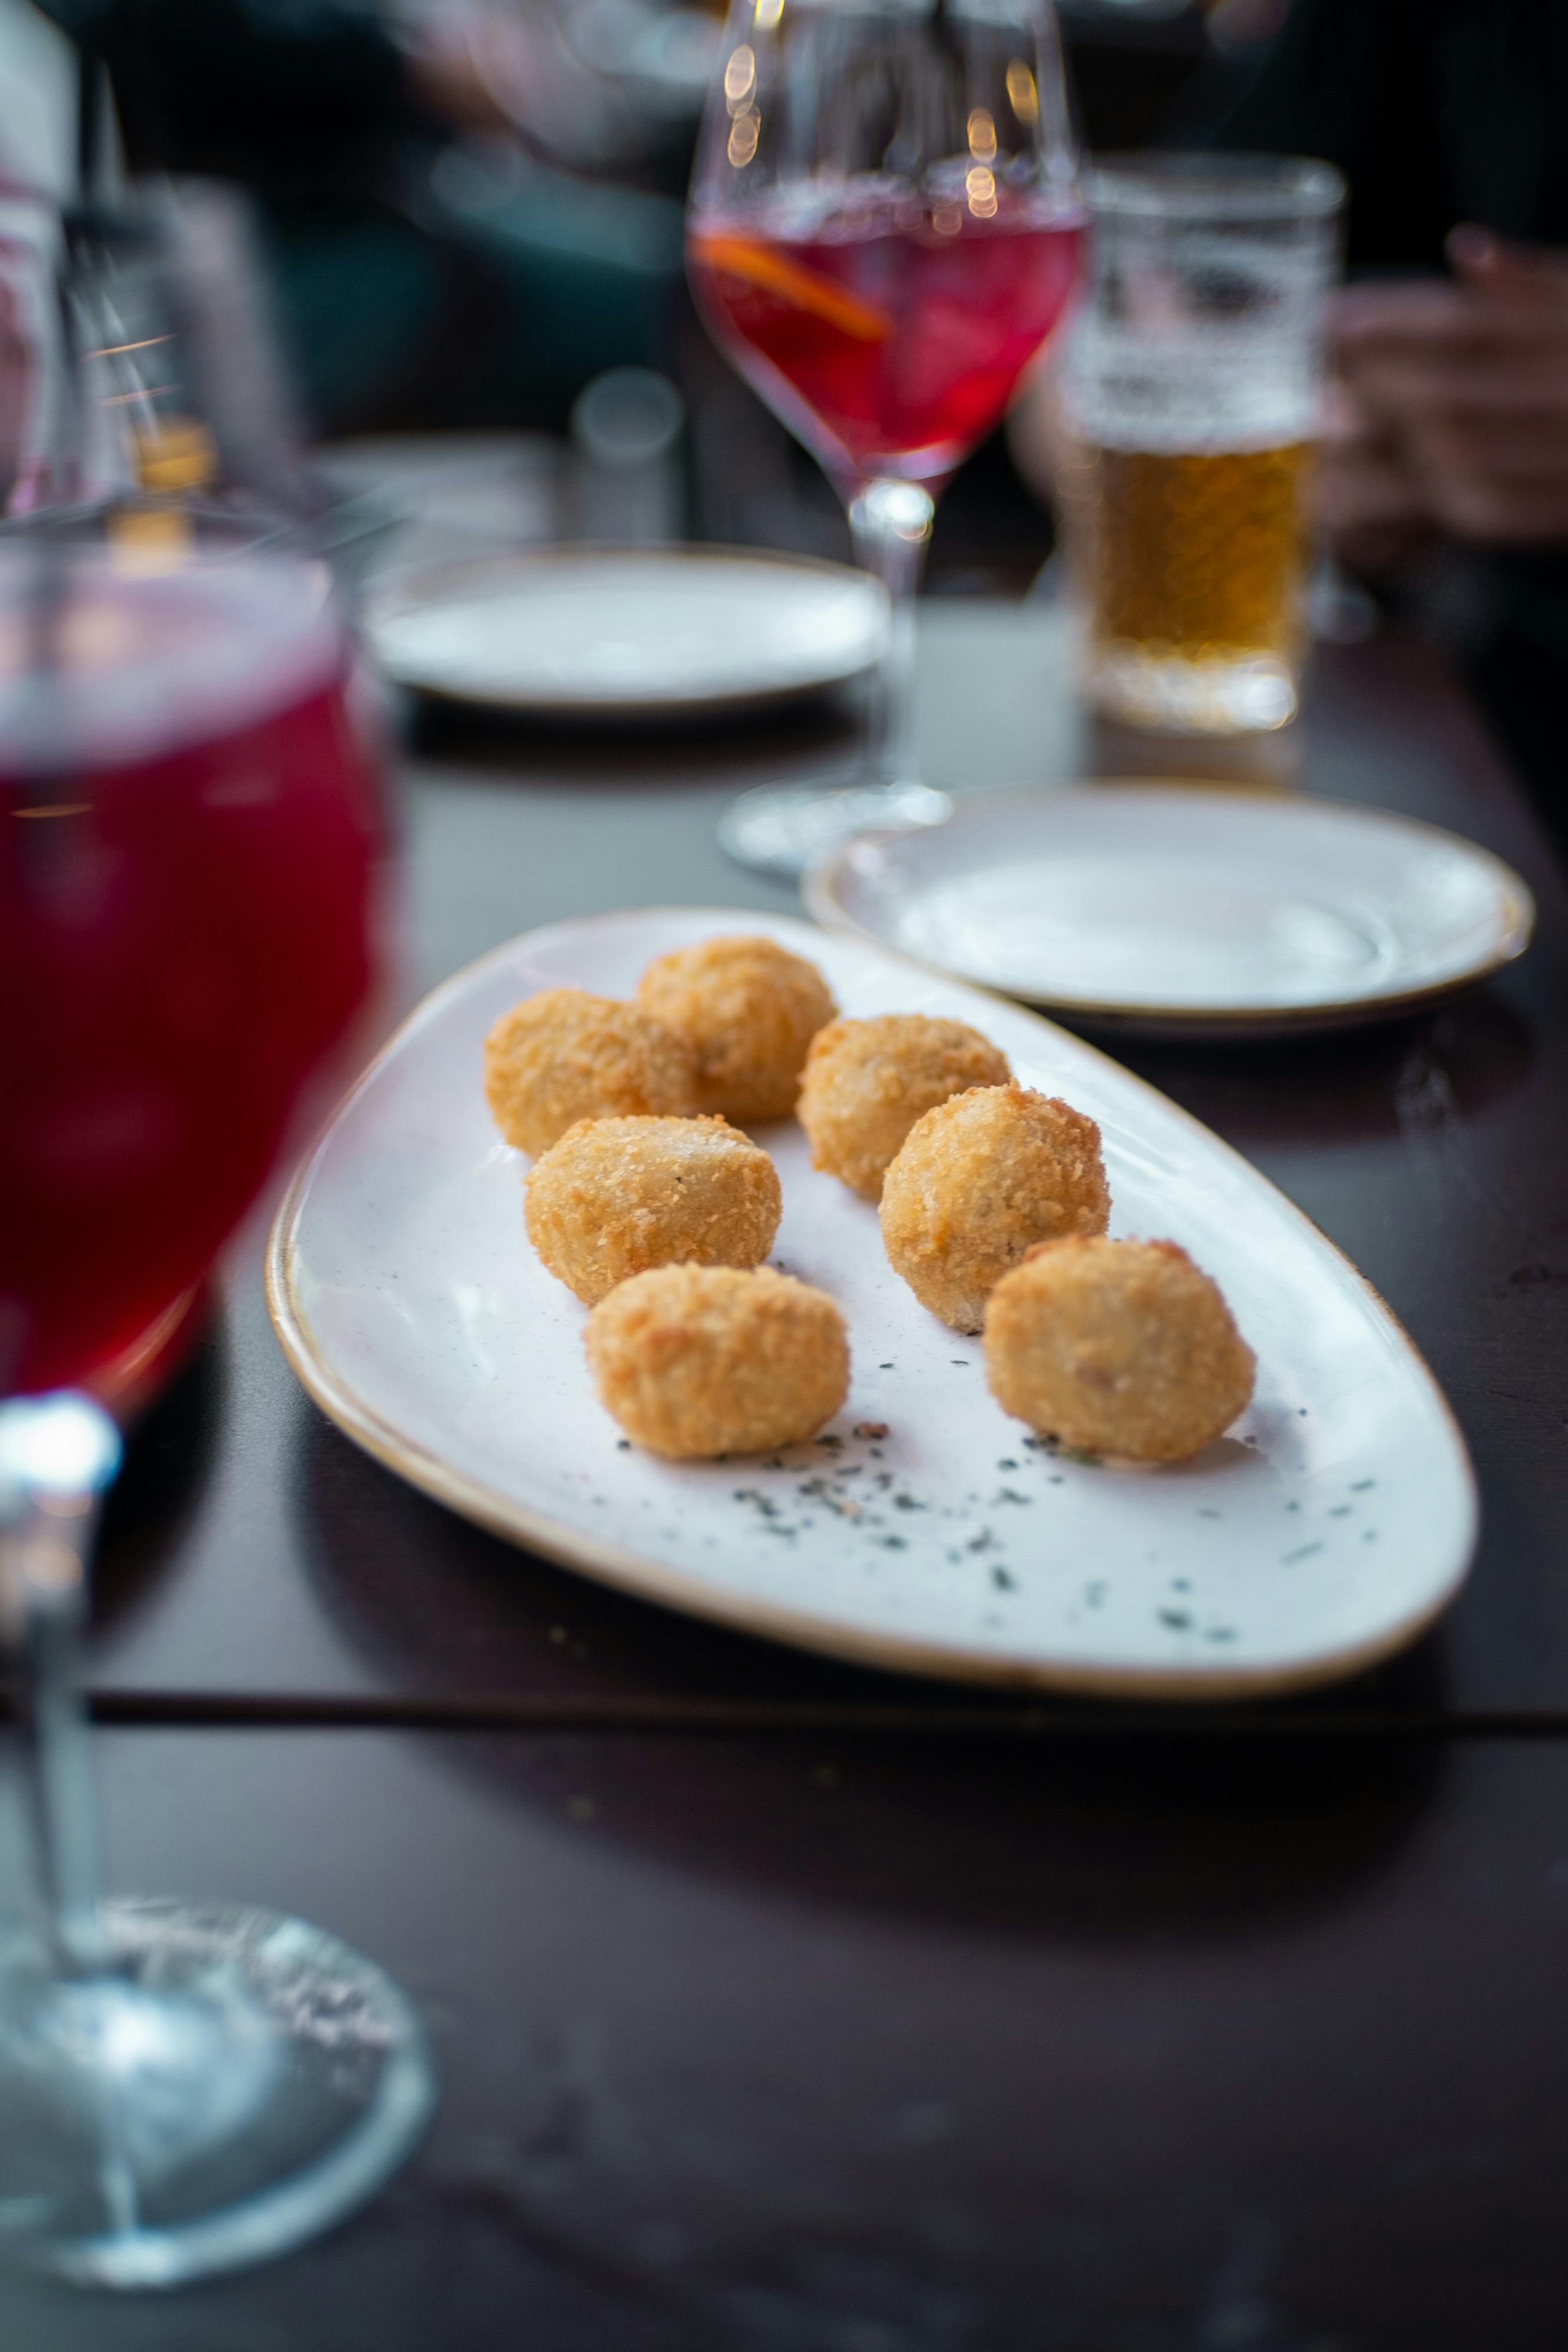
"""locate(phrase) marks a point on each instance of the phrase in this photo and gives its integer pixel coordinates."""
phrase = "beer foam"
(105, 661)
(1197, 341)
(1193, 396)
(1191, 428)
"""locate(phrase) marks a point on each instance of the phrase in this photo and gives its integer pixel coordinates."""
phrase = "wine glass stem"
(46, 1583)
(890, 522)
(58, 1453)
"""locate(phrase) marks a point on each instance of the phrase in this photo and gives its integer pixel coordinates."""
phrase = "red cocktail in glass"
(889, 336)
(188, 847)
(885, 228)
(189, 844)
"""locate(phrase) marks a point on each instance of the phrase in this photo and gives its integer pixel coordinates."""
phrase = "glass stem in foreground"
(56, 1455)
(890, 522)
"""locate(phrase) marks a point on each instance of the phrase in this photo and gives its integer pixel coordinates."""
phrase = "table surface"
(782, 2004)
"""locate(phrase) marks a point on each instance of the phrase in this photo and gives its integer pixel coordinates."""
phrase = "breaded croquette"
(616, 1196)
(695, 1360)
(1120, 1348)
(748, 1009)
(980, 1180)
(867, 1082)
(563, 1055)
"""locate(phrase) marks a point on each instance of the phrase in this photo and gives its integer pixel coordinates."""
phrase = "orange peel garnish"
(759, 265)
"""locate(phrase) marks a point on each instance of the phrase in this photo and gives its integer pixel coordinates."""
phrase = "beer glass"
(1190, 401)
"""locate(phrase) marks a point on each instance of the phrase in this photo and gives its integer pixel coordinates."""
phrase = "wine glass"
(189, 863)
(884, 226)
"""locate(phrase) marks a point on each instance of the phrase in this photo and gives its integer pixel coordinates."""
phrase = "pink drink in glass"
(890, 333)
(189, 841)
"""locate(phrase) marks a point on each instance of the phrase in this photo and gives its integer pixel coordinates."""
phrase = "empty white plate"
(924, 1529)
(1160, 904)
(598, 632)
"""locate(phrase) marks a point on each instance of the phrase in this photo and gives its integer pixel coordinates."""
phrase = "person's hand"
(1366, 499)
(1451, 406)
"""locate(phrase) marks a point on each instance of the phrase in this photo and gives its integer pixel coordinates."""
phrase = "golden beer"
(1193, 568)
(1192, 393)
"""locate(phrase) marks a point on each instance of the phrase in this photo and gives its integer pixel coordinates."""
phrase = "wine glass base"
(785, 828)
(231, 2086)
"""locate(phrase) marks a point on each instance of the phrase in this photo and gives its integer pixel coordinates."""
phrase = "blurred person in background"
(1443, 477)
(428, 267)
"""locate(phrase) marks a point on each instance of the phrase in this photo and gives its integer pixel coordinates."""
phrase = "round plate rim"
(820, 887)
(647, 1580)
(400, 594)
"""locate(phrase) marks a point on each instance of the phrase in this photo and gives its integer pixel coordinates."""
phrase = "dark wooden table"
(782, 2005)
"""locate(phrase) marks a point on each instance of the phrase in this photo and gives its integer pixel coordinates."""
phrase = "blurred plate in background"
(608, 633)
(1166, 905)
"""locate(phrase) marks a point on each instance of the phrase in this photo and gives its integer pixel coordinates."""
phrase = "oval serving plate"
(600, 633)
(1162, 907)
(924, 1530)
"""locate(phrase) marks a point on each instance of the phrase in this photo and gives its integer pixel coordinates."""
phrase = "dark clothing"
(1438, 112)
(270, 92)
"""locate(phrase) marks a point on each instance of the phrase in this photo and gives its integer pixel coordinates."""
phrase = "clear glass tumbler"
(1190, 401)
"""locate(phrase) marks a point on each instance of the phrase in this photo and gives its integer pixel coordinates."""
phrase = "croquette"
(695, 1360)
(1120, 1348)
(867, 1082)
(980, 1180)
(748, 1009)
(616, 1196)
(563, 1055)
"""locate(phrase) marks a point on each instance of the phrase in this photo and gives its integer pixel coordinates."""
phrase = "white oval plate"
(1155, 906)
(596, 632)
(1329, 1527)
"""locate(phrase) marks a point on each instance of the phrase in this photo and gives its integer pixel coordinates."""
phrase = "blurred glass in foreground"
(190, 877)
(1191, 405)
(187, 881)
(191, 844)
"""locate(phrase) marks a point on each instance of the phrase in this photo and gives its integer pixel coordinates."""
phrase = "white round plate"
(1329, 1528)
(598, 632)
(1158, 905)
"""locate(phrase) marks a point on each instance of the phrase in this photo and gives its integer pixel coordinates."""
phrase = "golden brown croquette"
(616, 1196)
(981, 1179)
(748, 1009)
(867, 1082)
(563, 1055)
(695, 1360)
(1121, 1348)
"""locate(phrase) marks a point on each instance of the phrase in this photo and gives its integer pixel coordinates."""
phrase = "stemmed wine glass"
(884, 226)
(191, 857)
